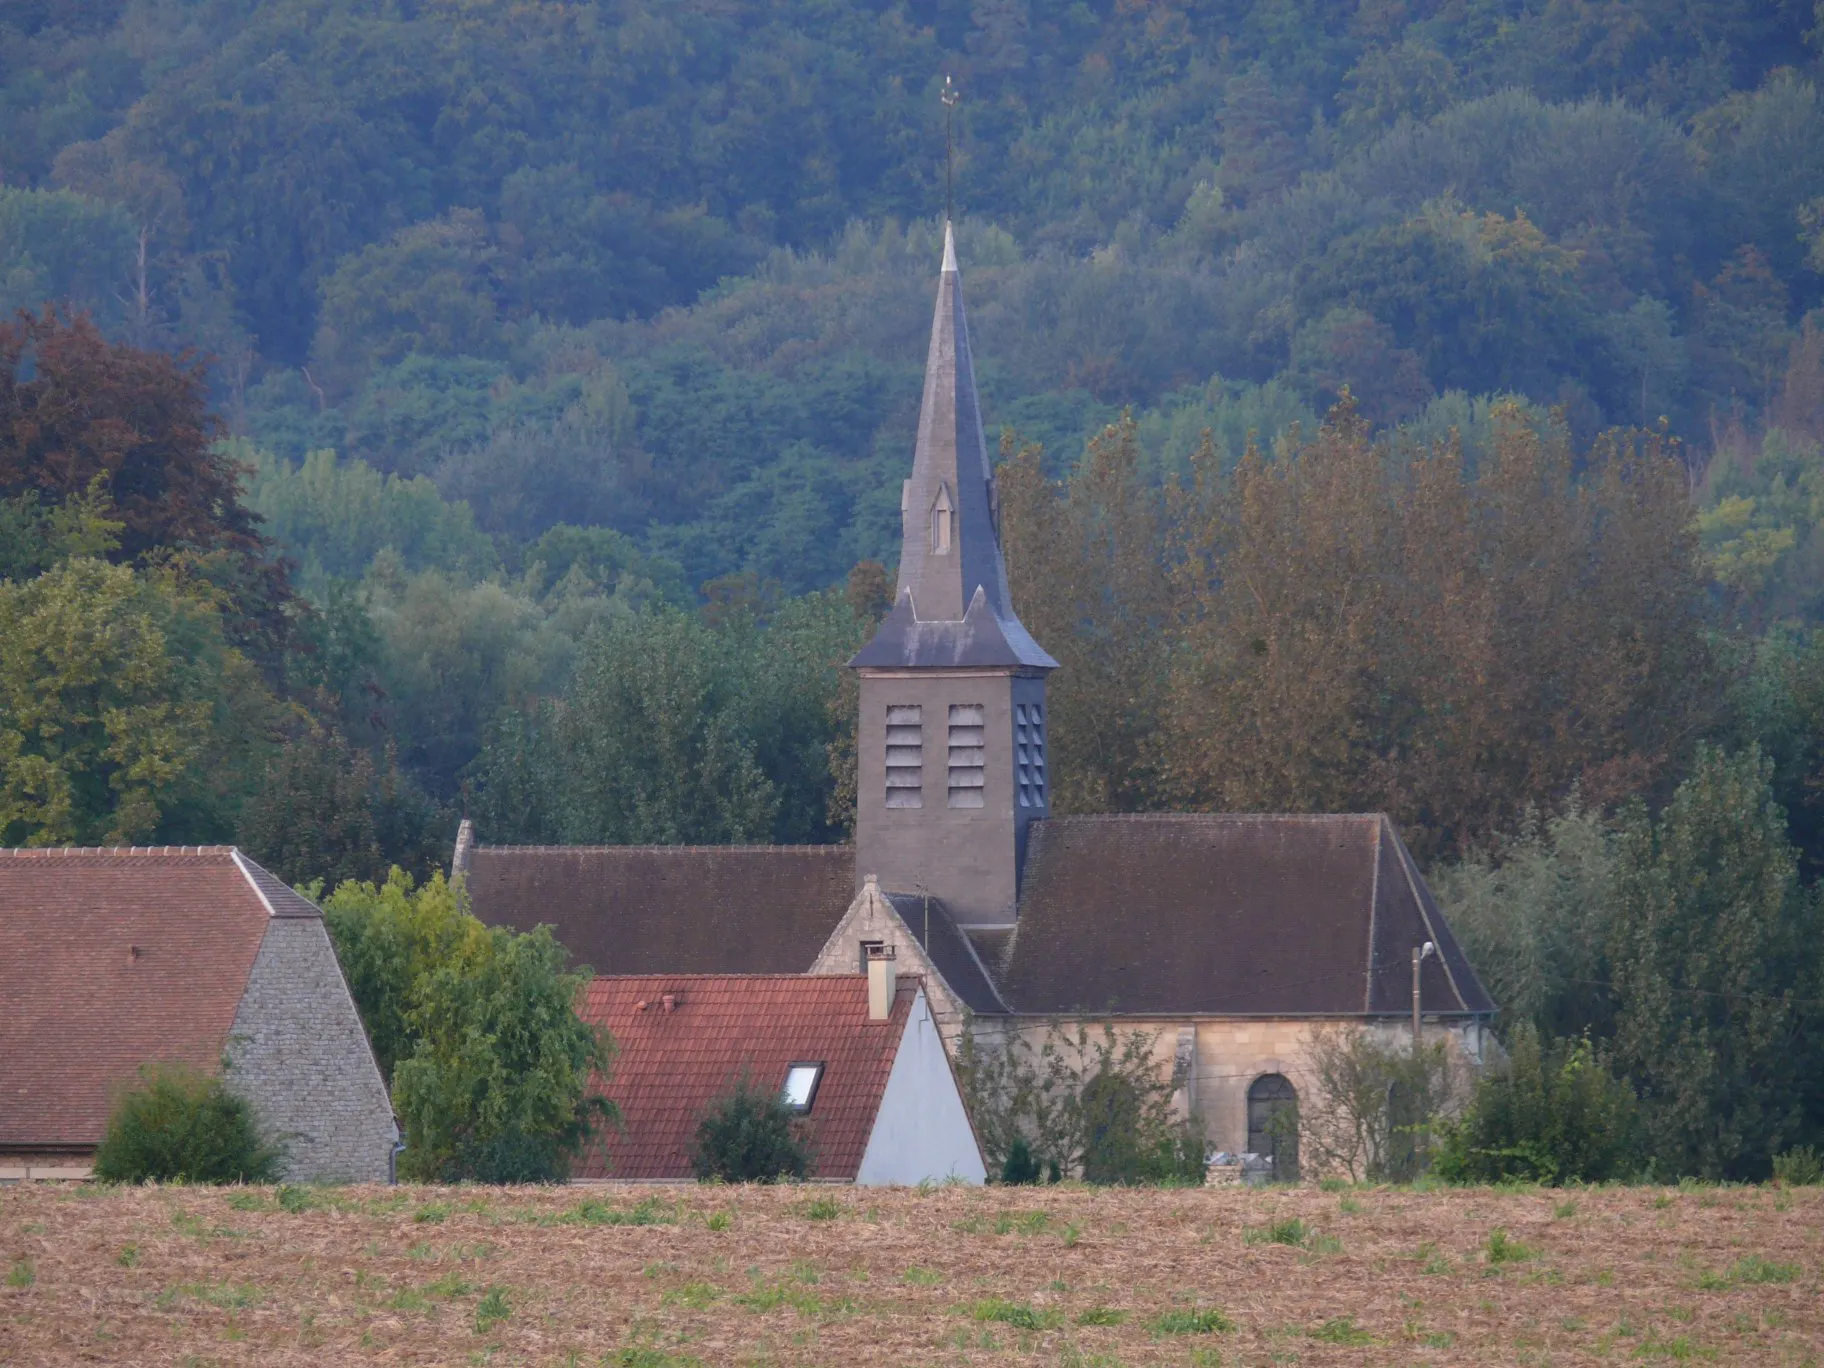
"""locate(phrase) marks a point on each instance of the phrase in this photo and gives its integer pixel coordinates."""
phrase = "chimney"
(882, 982)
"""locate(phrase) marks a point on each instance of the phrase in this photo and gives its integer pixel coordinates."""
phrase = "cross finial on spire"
(950, 95)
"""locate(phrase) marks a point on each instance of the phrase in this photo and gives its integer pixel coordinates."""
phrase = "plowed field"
(1060, 1276)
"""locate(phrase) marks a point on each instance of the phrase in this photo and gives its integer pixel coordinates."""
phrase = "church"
(1230, 937)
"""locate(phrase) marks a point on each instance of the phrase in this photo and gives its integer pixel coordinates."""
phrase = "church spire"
(953, 607)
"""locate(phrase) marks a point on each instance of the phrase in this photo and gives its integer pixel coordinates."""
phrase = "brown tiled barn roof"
(110, 959)
(670, 909)
(672, 1065)
(1268, 915)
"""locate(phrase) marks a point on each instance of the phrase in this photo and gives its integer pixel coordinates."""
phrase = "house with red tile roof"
(112, 959)
(858, 1055)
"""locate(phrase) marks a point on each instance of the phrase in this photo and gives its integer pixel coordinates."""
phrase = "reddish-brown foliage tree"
(1329, 629)
(75, 407)
(79, 412)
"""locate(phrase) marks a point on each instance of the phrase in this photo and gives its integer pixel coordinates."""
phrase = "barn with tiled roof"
(115, 959)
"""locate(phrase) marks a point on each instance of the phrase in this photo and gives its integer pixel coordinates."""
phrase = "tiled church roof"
(949, 950)
(670, 909)
(1244, 915)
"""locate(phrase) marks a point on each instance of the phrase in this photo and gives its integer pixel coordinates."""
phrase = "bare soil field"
(651, 1277)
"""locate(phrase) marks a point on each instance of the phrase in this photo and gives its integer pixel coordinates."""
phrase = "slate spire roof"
(952, 607)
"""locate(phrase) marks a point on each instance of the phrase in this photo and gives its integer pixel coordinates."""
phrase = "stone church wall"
(1226, 1055)
(871, 918)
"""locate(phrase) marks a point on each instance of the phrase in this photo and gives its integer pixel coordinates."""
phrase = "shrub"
(182, 1125)
(1551, 1114)
(750, 1135)
(1801, 1167)
(1096, 1105)
(1376, 1104)
(1019, 1167)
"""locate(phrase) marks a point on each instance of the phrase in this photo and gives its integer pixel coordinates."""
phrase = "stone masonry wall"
(1226, 1055)
(299, 1053)
(872, 918)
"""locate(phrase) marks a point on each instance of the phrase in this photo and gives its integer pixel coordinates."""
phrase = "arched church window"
(1273, 1124)
(943, 518)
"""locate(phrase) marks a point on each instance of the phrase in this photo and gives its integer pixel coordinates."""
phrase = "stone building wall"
(299, 1053)
(1225, 1055)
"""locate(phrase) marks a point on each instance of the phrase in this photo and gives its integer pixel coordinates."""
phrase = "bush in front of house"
(178, 1125)
(1552, 1113)
(1020, 1167)
(750, 1135)
(1095, 1104)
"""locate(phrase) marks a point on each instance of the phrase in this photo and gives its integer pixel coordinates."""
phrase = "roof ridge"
(241, 863)
(790, 978)
(71, 852)
(693, 849)
(1214, 817)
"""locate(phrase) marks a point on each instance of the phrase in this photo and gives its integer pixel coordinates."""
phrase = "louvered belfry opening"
(968, 754)
(905, 755)
(1029, 752)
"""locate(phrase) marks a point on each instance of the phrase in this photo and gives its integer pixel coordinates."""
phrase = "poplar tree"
(1716, 953)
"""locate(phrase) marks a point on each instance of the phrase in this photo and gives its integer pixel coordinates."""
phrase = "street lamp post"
(1419, 952)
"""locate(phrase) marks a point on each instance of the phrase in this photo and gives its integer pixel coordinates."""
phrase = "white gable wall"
(921, 1132)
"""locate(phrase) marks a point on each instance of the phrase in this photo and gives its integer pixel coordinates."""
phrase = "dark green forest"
(434, 407)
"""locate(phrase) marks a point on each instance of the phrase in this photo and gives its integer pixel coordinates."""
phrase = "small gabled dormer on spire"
(952, 605)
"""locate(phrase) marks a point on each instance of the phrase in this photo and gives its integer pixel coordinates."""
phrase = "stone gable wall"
(299, 1053)
(872, 918)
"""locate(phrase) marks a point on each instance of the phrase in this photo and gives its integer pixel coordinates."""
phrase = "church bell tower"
(952, 762)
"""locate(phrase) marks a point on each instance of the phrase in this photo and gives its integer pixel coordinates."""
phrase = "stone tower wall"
(967, 856)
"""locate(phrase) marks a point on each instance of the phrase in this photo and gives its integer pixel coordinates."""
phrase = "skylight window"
(800, 1089)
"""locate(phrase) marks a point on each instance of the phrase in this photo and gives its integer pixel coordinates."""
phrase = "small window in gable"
(905, 756)
(943, 519)
(800, 1090)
